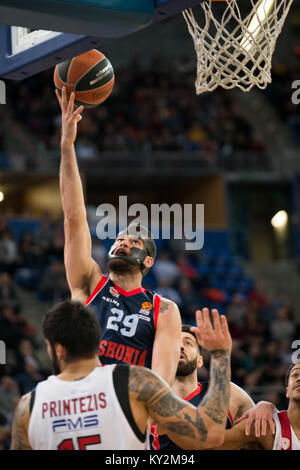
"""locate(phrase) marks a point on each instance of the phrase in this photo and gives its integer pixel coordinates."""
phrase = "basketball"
(89, 75)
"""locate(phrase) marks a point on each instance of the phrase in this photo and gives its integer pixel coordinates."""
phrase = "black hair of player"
(75, 327)
(187, 329)
(287, 375)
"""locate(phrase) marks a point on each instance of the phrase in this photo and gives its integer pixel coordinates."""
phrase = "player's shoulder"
(23, 405)
(140, 377)
(166, 304)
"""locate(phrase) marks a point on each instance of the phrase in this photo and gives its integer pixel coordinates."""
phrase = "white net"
(235, 41)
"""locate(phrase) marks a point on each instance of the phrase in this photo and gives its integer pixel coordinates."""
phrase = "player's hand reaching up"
(212, 335)
(70, 118)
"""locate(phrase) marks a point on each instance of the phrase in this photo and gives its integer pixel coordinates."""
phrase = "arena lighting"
(1, 196)
(257, 20)
(279, 220)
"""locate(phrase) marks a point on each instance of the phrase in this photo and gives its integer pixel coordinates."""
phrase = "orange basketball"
(89, 75)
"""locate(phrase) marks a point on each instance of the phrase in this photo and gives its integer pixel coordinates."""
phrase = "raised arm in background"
(187, 426)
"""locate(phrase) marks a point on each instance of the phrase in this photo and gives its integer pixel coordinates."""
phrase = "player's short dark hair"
(287, 375)
(187, 329)
(75, 327)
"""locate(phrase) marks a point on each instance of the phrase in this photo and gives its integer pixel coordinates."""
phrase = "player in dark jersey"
(187, 387)
(137, 326)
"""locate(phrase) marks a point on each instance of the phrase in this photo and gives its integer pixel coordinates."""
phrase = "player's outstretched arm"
(166, 347)
(187, 426)
(82, 271)
(236, 438)
(20, 424)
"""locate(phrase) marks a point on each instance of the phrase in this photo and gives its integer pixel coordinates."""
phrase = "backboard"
(37, 34)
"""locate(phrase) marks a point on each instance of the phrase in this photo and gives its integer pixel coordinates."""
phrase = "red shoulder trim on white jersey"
(286, 432)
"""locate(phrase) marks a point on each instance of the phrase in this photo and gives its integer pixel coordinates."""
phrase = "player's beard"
(186, 368)
(122, 266)
(54, 362)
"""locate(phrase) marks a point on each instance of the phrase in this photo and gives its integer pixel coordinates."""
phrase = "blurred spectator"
(8, 252)
(282, 328)
(237, 330)
(25, 355)
(10, 331)
(285, 352)
(253, 363)
(165, 290)
(164, 269)
(85, 149)
(237, 358)
(255, 330)
(44, 237)
(58, 239)
(9, 395)
(190, 302)
(237, 309)
(8, 294)
(28, 251)
(185, 266)
(53, 285)
(274, 369)
(28, 379)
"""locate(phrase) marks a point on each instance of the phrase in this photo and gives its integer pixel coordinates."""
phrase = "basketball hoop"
(235, 47)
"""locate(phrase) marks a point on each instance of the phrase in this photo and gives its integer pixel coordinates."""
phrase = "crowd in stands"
(262, 327)
(151, 109)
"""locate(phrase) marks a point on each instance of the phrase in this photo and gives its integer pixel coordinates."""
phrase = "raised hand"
(262, 417)
(212, 335)
(70, 118)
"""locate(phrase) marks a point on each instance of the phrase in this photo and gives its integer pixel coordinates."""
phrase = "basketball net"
(234, 48)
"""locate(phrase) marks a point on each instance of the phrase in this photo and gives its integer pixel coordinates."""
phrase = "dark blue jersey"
(128, 322)
(162, 441)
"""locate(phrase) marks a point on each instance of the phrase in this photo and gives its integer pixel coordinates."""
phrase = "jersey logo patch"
(144, 312)
(114, 292)
(147, 306)
(284, 443)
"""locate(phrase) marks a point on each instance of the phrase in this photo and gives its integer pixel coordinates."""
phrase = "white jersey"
(285, 438)
(88, 414)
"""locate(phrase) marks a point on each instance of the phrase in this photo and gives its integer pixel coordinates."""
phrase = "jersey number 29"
(116, 321)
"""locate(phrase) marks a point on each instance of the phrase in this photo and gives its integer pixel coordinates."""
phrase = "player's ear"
(149, 261)
(199, 361)
(60, 351)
